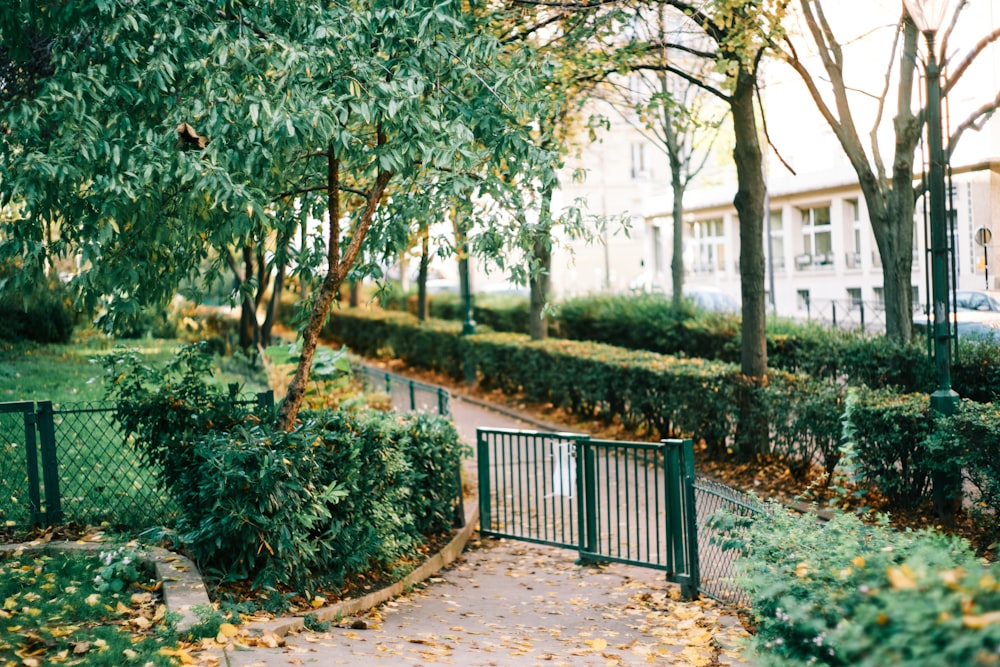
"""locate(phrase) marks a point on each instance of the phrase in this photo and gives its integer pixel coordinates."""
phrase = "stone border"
(183, 589)
(282, 626)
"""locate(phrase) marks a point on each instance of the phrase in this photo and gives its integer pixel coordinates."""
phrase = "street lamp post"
(927, 16)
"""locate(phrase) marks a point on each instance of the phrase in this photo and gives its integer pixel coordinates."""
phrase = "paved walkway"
(506, 603)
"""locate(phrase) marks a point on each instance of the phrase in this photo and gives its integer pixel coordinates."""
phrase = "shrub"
(890, 433)
(41, 313)
(970, 441)
(804, 415)
(341, 494)
(499, 312)
(849, 593)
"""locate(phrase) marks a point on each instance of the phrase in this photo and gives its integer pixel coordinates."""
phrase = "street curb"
(283, 626)
(183, 590)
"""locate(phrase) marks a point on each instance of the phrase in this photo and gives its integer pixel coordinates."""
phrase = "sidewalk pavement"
(506, 603)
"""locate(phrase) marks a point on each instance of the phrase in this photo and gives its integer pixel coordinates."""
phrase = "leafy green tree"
(150, 134)
(738, 35)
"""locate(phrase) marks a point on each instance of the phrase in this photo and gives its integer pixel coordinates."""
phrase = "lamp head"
(927, 15)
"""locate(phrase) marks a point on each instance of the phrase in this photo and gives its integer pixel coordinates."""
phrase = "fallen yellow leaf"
(598, 644)
(228, 630)
(981, 621)
(901, 578)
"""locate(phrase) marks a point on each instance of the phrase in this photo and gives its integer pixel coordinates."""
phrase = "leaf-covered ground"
(511, 604)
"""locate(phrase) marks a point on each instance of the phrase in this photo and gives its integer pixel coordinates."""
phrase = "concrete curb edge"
(183, 589)
(282, 626)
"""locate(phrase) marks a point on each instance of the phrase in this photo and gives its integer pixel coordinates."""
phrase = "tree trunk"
(337, 270)
(677, 254)
(425, 260)
(541, 250)
(267, 329)
(752, 429)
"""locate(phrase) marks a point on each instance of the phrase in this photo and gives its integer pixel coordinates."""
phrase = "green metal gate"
(628, 502)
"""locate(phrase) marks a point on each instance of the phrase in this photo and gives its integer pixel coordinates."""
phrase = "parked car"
(976, 316)
(713, 299)
(702, 296)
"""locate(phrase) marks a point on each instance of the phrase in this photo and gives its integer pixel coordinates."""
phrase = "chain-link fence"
(72, 462)
(718, 564)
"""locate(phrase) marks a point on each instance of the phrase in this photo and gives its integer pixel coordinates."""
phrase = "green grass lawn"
(68, 373)
(101, 478)
(53, 609)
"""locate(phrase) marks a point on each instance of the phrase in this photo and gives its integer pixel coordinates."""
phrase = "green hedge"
(902, 451)
(848, 593)
(42, 313)
(647, 322)
(664, 395)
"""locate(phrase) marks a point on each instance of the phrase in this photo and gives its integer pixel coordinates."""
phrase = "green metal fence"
(718, 566)
(72, 463)
(611, 501)
(406, 394)
(631, 502)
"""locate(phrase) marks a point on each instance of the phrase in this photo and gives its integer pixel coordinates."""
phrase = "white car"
(977, 315)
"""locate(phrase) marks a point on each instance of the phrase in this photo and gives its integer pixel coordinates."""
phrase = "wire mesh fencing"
(73, 462)
(718, 564)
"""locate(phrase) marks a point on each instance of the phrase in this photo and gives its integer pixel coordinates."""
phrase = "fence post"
(862, 317)
(413, 398)
(460, 504)
(31, 460)
(682, 526)
(586, 492)
(690, 589)
(50, 463)
(265, 400)
(444, 409)
(483, 465)
(675, 553)
(834, 307)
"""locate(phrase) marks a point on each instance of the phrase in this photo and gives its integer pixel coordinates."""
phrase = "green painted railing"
(628, 502)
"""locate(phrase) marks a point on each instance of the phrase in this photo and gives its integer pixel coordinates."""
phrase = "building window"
(776, 245)
(709, 246)
(803, 299)
(854, 294)
(638, 161)
(854, 216)
(817, 235)
(879, 298)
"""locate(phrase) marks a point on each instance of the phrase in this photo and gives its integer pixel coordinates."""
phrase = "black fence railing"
(849, 314)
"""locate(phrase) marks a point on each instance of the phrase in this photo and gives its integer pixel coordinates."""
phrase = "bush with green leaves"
(970, 441)
(499, 312)
(342, 493)
(804, 415)
(859, 594)
(890, 431)
(42, 312)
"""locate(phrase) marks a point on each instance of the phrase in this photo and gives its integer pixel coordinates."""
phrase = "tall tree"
(160, 130)
(888, 190)
(739, 33)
